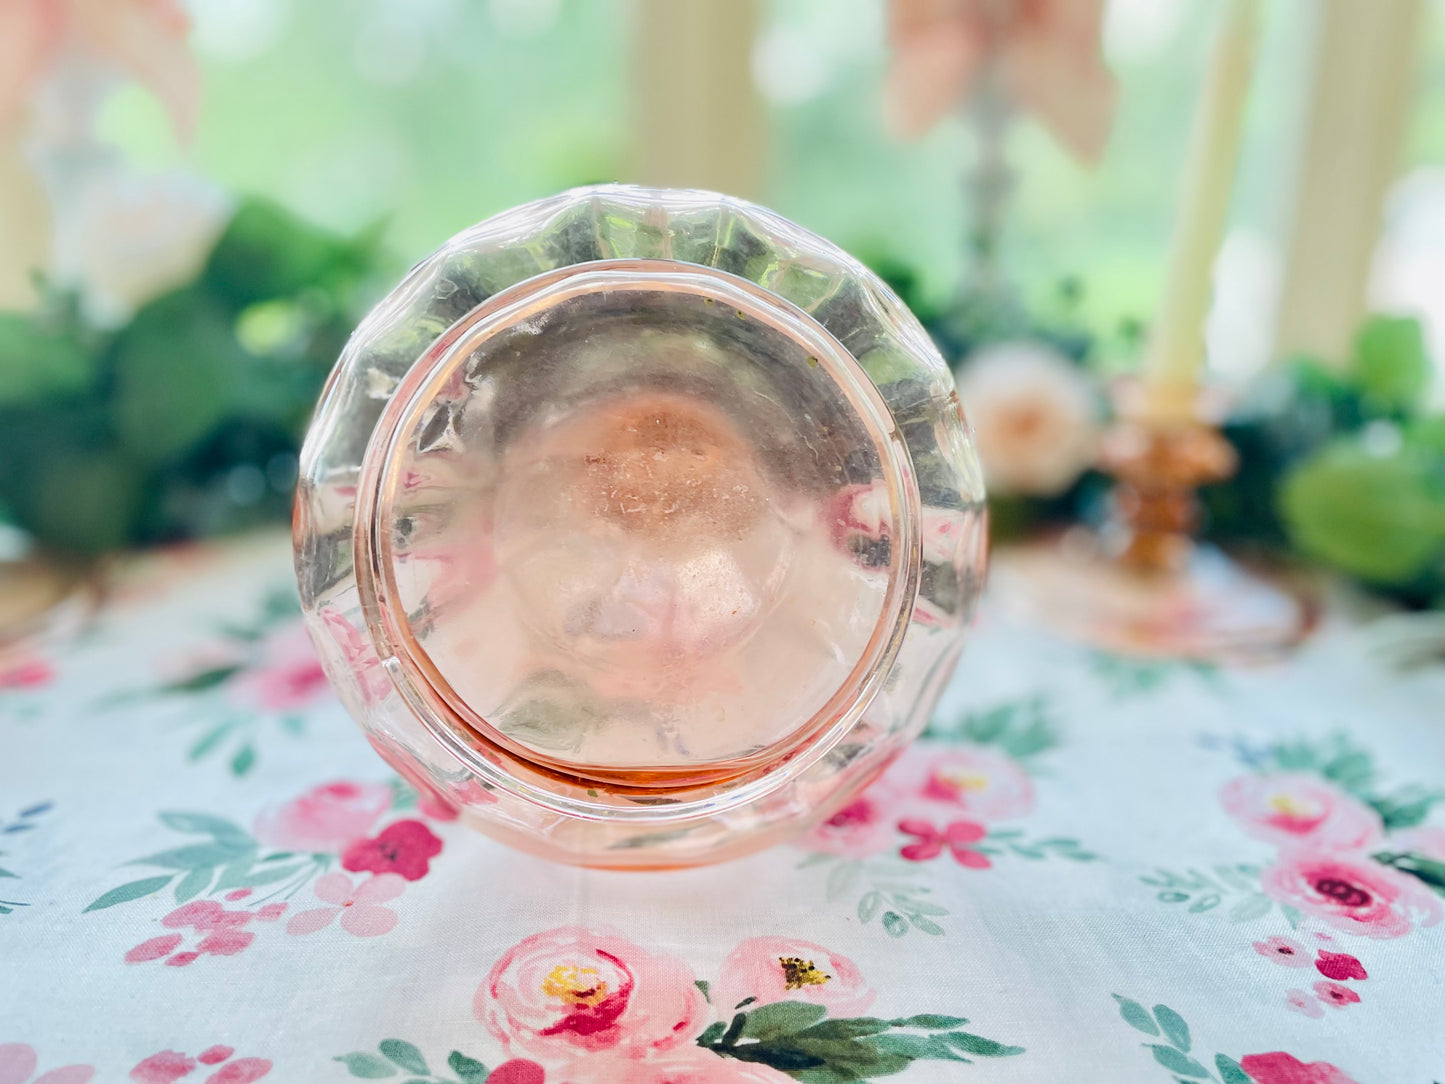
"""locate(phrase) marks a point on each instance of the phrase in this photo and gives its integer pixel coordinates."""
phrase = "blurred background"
(198, 202)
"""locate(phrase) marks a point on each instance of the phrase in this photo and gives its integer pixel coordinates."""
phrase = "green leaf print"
(367, 1066)
(1136, 1016)
(133, 890)
(404, 1054)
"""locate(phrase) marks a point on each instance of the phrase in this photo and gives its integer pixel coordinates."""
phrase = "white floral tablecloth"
(1092, 871)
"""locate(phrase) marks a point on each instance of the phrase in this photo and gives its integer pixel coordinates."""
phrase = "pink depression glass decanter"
(639, 526)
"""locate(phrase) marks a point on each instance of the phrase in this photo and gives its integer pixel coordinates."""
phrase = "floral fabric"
(1089, 870)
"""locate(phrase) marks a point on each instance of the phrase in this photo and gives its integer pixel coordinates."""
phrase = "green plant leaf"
(1390, 366)
(405, 1054)
(193, 883)
(868, 905)
(930, 1022)
(132, 890)
(702, 985)
(202, 681)
(841, 878)
(210, 739)
(712, 1033)
(39, 363)
(366, 1066)
(1179, 1063)
(192, 857)
(222, 831)
(1230, 1071)
(1250, 908)
(1175, 1029)
(926, 925)
(244, 760)
(781, 1018)
(468, 1069)
(895, 924)
(979, 1046)
(1136, 1016)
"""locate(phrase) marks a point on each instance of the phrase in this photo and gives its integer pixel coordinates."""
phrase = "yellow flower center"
(966, 780)
(575, 985)
(1290, 806)
(798, 973)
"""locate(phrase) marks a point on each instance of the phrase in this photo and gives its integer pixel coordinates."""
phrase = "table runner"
(1091, 869)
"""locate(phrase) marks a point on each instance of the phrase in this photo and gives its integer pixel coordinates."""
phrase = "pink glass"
(641, 527)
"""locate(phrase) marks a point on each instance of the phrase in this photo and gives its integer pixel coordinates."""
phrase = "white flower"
(126, 238)
(1035, 416)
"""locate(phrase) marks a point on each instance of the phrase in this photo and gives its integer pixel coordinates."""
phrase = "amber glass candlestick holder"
(1143, 583)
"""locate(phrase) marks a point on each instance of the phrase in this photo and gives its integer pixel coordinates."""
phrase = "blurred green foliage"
(186, 420)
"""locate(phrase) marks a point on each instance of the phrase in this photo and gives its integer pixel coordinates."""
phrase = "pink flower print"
(165, 1067)
(517, 1071)
(183, 959)
(1292, 809)
(1283, 950)
(1281, 1068)
(226, 942)
(404, 848)
(1335, 994)
(289, 676)
(770, 969)
(270, 912)
(19, 1060)
(1351, 893)
(863, 827)
(324, 819)
(955, 836)
(154, 949)
(240, 1071)
(1302, 1002)
(359, 906)
(985, 783)
(20, 670)
(214, 1055)
(563, 996)
(1340, 965)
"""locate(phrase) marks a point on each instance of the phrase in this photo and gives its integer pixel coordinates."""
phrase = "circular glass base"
(1211, 609)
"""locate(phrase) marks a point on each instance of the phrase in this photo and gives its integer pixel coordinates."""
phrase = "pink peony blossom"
(1302, 1001)
(1281, 1068)
(771, 969)
(1351, 893)
(289, 676)
(324, 819)
(566, 995)
(863, 827)
(985, 783)
(358, 905)
(1294, 808)
(1340, 965)
(1283, 950)
(404, 848)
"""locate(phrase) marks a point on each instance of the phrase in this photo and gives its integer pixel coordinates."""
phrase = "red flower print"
(517, 1071)
(1340, 965)
(1302, 1002)
(955, 836)
(1281, 1068)
(405, 847)
(1283, 950)
(1336, 995)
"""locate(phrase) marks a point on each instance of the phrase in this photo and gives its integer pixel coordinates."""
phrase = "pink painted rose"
(1281, 1068)
(1354, 894)
(289, 675)
(19, 1060)
(773, 969)
(359, 905)
(985, 783)
(863, 827)
(405, 848)
(1294, 808)
(1340, 966)
(567, 995)
(324, 819)
(1284, 951)
(1302, 1001)
(517, 1071)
